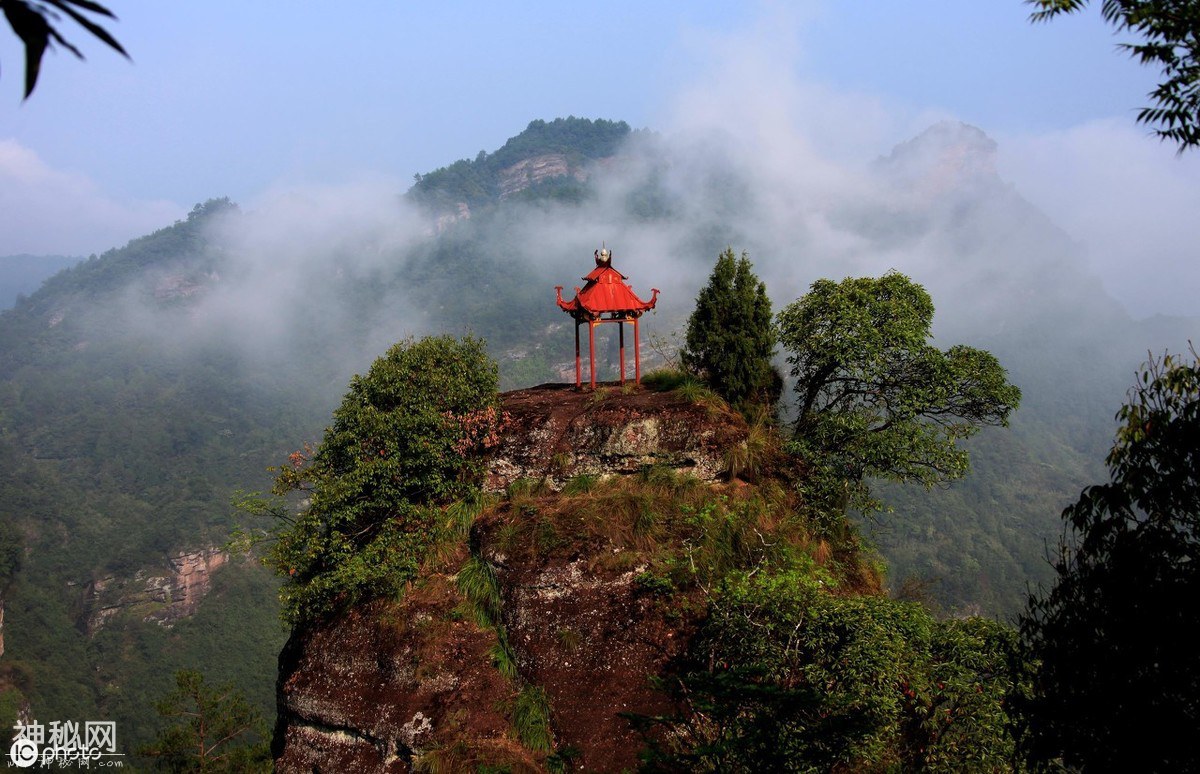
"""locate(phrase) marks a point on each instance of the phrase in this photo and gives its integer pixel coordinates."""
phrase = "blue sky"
(241, 98)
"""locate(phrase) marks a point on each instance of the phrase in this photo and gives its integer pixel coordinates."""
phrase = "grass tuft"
(752, 458)
(502, 656)
(526, 487)
(477, 582)
(569, 639)
(581, 484)
(600, 395)
(462, 514)
(664, 379)
(560, 463)
(531, 719)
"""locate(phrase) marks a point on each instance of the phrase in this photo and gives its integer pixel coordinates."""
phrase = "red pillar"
(592, 351)
(637, 354)
(621, 339)
(578, 382)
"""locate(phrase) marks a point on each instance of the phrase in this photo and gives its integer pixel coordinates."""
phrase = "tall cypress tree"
(731, 336)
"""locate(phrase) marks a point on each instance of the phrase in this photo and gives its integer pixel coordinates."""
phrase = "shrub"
(404, 443)
(789, 677)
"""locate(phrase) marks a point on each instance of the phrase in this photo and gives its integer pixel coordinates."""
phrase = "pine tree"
(731, 337)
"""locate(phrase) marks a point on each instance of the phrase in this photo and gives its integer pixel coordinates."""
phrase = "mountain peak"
(544, 150)
(949, 155)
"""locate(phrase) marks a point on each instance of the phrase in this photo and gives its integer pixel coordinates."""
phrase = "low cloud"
(45, 211)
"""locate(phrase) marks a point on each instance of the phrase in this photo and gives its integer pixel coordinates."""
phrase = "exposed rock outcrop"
(163, 597)
(386, 684)
(529, 172)
(556, 432)
(947, 158)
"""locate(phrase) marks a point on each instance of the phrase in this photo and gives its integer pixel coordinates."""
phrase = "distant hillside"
(21, 275)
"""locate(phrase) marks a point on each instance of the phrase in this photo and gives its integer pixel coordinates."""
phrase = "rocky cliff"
(529, 172)
(160, 596)
(599, 490)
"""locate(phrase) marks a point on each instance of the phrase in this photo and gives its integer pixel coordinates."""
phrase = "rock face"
(391, 684)
(583, 630)
(163, 598)
(384, 684)
(396, 685)
(948, 157)
(556, 432)
(531, 171)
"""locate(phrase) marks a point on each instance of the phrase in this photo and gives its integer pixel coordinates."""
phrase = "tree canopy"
(1117, 676)
(1170, 32)
(730, 335)
(874, 397)
(34, 24)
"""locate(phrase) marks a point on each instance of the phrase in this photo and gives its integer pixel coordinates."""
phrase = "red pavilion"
(606, 298)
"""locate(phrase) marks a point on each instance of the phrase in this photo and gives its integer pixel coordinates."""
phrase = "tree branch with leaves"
(213, 730)
(874, 398)
(36, 24)
(1170, 40)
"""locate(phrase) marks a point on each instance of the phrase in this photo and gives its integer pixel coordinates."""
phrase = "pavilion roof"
(605, 292)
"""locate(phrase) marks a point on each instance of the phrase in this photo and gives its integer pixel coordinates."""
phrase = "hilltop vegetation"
(760, 620)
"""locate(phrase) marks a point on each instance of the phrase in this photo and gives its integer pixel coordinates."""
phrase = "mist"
(1066, 230)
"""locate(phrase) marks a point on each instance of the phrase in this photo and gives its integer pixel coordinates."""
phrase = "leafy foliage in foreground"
(790, 677)
(402, 444)
(1116, 676)
(874, 398)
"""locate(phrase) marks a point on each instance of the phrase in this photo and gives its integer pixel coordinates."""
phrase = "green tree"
(402, 444)
(214, 730)
(1170, 32)
(34, 24)
(1118, 677)
(874, 398)
(730, 337)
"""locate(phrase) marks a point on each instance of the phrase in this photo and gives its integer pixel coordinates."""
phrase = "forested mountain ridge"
(143, 388)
